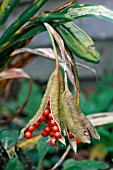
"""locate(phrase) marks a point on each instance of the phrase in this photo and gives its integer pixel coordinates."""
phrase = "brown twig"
(62, 158)
(14, 75)
(64, 6)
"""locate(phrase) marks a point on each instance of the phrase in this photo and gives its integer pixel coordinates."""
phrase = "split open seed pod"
(55, 88)
(76, 122)
(41, 108)
(55, 97)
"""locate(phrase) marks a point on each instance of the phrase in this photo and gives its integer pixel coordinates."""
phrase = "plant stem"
(61, 159)
(53, 44)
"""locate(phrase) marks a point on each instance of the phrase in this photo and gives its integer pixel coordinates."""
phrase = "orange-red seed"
(27, 134)
(52, 143)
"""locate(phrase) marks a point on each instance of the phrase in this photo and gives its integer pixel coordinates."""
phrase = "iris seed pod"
(55, 88)
(42, 106)
(78, 42)
(55, 95)
(77, 123)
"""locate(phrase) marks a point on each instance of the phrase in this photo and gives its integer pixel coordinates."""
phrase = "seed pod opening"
(49, 108)
(42, 107)
(55, 96)
(75, 119)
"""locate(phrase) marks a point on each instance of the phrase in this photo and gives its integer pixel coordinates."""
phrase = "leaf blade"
(90, 10)
(6, 8)
(14, 163)
(83, 165)
(23, 18)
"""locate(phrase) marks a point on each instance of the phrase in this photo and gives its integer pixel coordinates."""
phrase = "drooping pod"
(55, 88)
(41, 108)
(77, 123)
(55, 96)
(78, 42)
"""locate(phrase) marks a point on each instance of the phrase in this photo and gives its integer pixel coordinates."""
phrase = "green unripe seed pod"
(78, 42)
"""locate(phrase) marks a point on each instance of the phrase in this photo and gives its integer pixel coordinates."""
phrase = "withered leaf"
(73, 143)
(14, 73)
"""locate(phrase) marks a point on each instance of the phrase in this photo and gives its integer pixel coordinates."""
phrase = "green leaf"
(98, 101)
(90, 10)
(7, 137)
(19, 38)
(104, 99)
(23, 158)
(22, 19)
(75, 11)
(5, 55)
(47, 164)
(14, 163)
(109, 149)
(42, 148)
(6, 8)
(71, 164)
(29, 30)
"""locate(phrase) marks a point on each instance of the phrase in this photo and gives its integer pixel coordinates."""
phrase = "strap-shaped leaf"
(56, 18)
(90, 10)
(5, 55)
(46, 17)
(75, 11)
(6, 8)
(22, 19)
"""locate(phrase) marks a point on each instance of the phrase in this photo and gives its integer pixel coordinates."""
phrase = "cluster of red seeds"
(51, 129)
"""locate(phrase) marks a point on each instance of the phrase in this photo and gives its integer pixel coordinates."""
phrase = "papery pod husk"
(42, 106)
(55, 95)
(62, 118)
(73, 143)
(62, 122)
(77, 123)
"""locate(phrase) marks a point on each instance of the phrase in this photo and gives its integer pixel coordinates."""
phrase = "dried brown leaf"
(14, 73)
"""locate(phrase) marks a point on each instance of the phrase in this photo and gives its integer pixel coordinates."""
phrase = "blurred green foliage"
(71, 164)
(101, 99)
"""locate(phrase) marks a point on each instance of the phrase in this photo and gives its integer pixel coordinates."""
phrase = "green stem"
(54, 47)
(39, 164)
